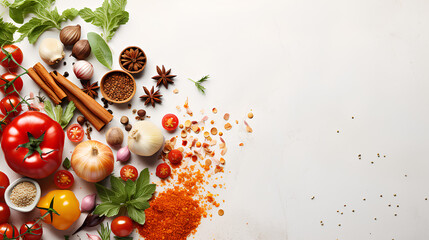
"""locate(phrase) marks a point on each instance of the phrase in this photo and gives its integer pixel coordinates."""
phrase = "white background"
(305, 68)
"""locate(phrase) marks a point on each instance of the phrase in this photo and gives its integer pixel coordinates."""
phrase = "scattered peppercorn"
(110, 111)
(66, 74)
(64, 63)
(128, 127)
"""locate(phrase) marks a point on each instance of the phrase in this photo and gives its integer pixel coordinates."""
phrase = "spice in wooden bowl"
(118, 86)
(132, 59)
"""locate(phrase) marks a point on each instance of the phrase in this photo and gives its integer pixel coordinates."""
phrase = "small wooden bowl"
(126, 69)
(102, 87)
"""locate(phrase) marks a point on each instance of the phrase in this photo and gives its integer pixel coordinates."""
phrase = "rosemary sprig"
(104, 232)
(199, 85)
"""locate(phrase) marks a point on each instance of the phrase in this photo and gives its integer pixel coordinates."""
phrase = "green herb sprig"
(63, 118)
(104, 232)
(199, 85)
(6, 32)
(44, 17)
(108, 17)
(133, 196)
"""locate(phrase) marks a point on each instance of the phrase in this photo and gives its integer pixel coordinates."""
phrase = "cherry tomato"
(9, 77)
(4, 183)
(36, 231)
(175, 156)
(122, 226)
(10, 230)
(163, 170)
(4, 213)
(16, 54)
(63, 179)
(170, 122)
(75, 133)
(129, 172)
(8, 103)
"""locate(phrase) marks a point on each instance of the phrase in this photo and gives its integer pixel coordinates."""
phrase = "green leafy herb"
(57, 113)
(104, 232)
(45, 17)
(199, 85)
(133, 196)
(6, 32)
(66, 163)
(66, 237)
(100, 49)
(108, 17)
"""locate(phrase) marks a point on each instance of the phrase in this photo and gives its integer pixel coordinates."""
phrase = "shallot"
(123, 154)
(88, 203)
(83, 70)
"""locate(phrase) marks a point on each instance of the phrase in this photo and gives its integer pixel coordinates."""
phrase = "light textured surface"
(305, 68)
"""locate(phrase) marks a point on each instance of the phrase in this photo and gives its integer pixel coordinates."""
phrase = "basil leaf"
(100, 49)
(48, 109)
(140, 203)
(107, 209)
(66, 163)
(104, 193)
(130, 188)
(138, 216)
(68, 114)
(145, 191)
(6, 33)
(117, 184)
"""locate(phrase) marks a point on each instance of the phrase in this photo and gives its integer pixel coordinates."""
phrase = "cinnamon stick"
(94, 120)
(88, 101)
(51, 94)
(44, 75)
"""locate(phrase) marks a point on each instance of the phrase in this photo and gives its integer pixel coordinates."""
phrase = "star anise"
(90, 89)
(151, 96)
(133, 59)
(163, 77)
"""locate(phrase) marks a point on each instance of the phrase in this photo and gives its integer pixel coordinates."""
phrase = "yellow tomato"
(67, 206)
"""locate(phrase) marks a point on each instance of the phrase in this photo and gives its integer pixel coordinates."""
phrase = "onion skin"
(92, 161)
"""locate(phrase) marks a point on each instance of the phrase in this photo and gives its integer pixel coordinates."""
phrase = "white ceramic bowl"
(9, 191)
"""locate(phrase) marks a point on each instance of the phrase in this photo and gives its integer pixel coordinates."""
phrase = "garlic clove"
(51, 51)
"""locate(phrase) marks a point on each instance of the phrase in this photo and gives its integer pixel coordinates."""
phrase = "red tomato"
(129, 172)
(75, 133)
(10, 77)
(36, 231)
(6, 61)
(163, 170)
(4, 213)
(10, 230)
(4, 183)
(63, 179)
(122, 226)
(170, 122)
(8, 103)
(28, 135)
(175, 156)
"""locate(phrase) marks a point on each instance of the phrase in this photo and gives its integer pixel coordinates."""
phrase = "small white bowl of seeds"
(23, 194)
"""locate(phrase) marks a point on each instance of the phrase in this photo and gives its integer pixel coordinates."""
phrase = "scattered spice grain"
(141, 113)
(128, 127)
(250, 115)
(221, 212)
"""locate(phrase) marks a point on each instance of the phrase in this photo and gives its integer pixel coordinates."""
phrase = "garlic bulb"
(83, 70)
(145, 138)
(51, 51)
(92, 161)
(70, 35)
